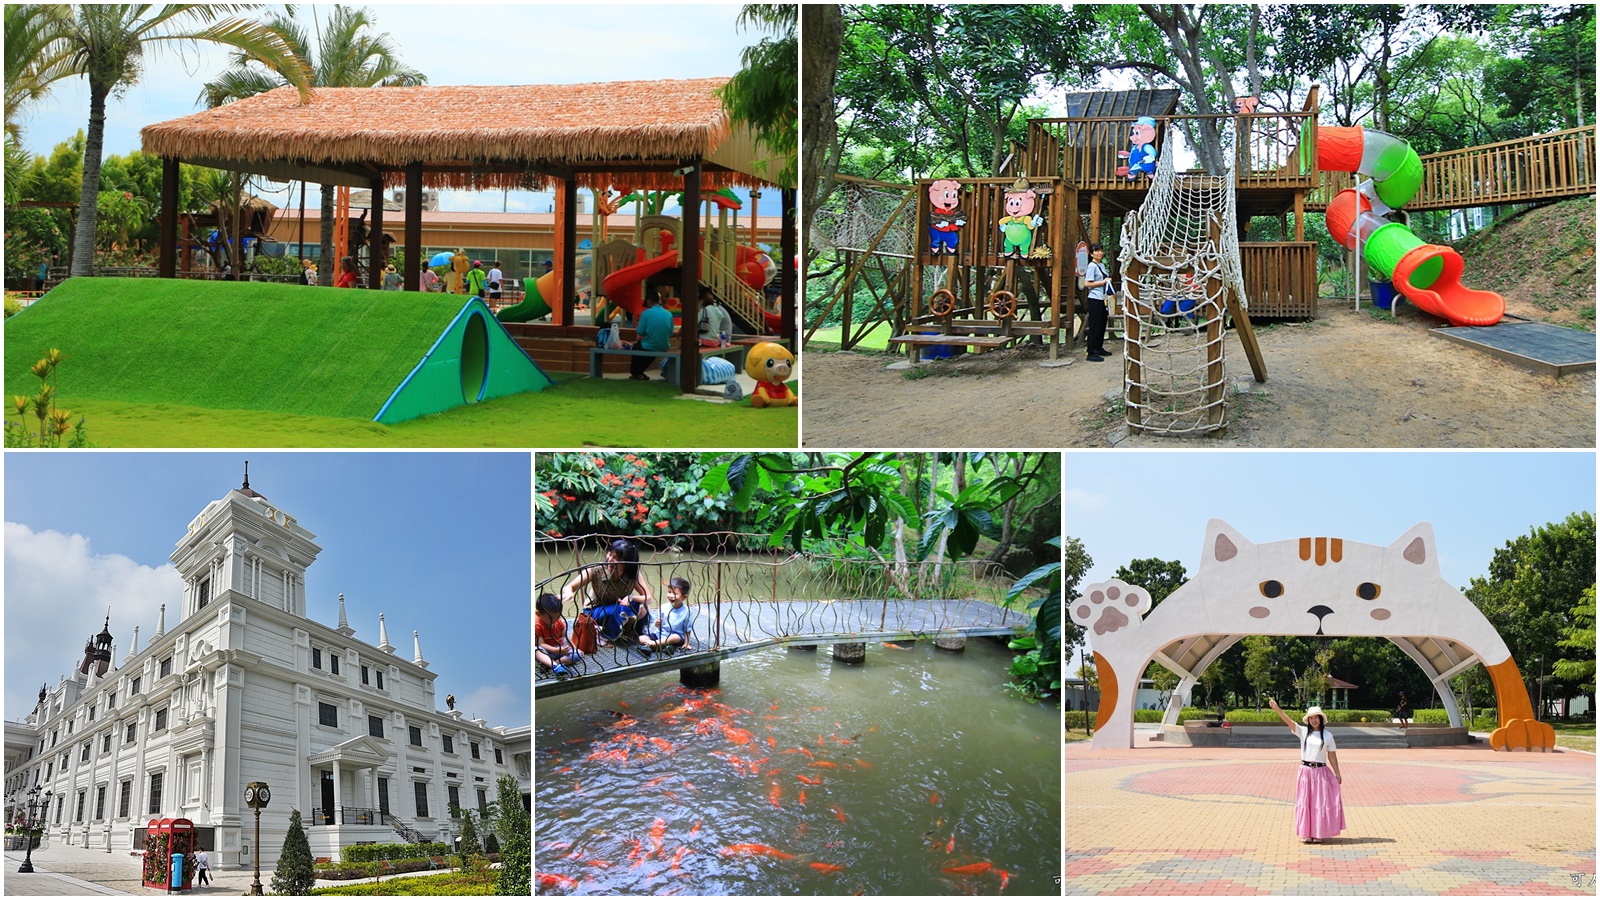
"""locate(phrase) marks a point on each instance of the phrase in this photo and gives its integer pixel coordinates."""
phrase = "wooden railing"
(1281, 278)
(1525, 170)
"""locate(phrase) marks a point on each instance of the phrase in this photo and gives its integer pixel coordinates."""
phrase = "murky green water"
(910, 766)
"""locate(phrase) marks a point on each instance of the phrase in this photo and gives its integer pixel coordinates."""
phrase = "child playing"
(551, 647)
(676, 622)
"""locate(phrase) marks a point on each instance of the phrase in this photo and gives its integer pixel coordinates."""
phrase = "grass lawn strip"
(227, 345)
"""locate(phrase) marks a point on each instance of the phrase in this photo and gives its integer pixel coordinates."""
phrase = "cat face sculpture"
(1309, 586)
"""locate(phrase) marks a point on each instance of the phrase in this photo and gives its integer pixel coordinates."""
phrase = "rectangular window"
(380, 679)
(126, 798)
(328, 714)
(136, 683)
(483, 801)
(416, 735)
(53, 736)
(316, 657)
(364, 675)
(497, 759)
(111, 700)
(161, 720)
(475, 750)
(375, 726)
(82, 796)
(383, 796)
(455, 797)
(92, 711)
(61, 803)
(49, 771)
(422, 799)
(133, 732)
(84, 755)
(155, 792)
(333, 663)
(166, 667)
(449, 744)
(204, 593)
(105, 742)
(100, 802)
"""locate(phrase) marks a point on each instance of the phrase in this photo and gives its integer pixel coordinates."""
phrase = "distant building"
(244, 687)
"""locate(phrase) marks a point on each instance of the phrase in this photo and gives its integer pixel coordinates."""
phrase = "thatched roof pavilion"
(663, 135)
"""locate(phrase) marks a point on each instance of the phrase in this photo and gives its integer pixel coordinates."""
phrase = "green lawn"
(576, 412)
(454, 884)
(876, 339)
(1574, 735)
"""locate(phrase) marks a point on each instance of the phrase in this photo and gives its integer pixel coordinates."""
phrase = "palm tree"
(35, 59)
(107, 44)
(765, 94)
(346, 56)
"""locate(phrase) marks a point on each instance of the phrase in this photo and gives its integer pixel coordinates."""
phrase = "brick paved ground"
(1461, 821)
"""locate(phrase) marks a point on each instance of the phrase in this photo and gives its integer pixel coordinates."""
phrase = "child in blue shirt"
(676, 623)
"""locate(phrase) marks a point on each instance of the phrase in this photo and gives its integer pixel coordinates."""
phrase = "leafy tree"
(1579, 638)
(1534, 587)
(34, 59)
(294, 875)
(516, 840)
(1546, 80)
(765, 92)
(107, 43)
(470, 845)
(346, 55)
(1160, 577)
(1261, 666)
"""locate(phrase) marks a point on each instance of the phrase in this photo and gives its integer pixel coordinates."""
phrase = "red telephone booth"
(169, 844)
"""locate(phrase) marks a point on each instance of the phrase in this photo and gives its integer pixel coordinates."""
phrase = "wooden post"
(567, 247)
(789, 242)
(1094, 218)
(1299, 215)
(167, 260)
(689, 281)
(1066, 216)
(375, 258)
(414, 261)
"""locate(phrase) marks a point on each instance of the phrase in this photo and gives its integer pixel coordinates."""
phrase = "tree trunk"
(823, 30)
(88, 214)
(329, 263)
(1250, 61)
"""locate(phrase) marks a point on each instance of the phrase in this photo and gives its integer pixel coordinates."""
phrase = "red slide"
(624, 287)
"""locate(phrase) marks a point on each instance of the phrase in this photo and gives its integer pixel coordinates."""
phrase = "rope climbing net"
(1180, 257)
(856, 213)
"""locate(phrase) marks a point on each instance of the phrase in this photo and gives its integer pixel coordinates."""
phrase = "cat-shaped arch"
(1308, 586)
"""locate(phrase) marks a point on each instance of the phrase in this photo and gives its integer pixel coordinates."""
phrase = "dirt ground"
(1345, 379)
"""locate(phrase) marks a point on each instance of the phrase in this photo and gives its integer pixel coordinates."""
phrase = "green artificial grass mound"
(226, 345)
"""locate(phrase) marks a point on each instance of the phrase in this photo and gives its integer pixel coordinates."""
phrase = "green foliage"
(470, 845)
(1578, 637)
(33, 236)
(454, 884)
(515, 830)
(294, 874)
(362, 853)
(764, 93)
(13, 306)
(121, 215)
(627, 493)
(52, 423)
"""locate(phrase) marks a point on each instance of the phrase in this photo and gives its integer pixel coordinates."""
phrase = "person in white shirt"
(202, 866)
(714, 320)
(1098, 281)
(677, 623)
(1318, 806)
(496, 278)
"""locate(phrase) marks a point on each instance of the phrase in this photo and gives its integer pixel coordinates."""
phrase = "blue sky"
(437, 542)
(451, 44)
(1134, 504)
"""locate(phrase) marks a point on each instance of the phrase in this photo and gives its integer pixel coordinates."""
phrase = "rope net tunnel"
(1180, 258)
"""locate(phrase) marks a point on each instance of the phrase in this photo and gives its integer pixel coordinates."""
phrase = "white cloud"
(498, 704)
(57, 591)
(1080, 500)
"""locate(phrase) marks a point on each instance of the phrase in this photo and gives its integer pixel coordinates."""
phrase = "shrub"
(294, 874)
(361, 853)
(516, 833)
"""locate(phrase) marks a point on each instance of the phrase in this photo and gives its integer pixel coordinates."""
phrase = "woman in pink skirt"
(1318, 808)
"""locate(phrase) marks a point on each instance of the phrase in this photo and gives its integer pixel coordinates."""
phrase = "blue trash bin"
(1382, 294)
(177, 870)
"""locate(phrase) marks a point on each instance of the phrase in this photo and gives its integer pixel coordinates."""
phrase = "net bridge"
(748, 600)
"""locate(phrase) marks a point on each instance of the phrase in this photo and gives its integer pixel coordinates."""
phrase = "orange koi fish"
(773, 707)
(633, 853)
(775, 795)
(671, 796)
(863, 763)
(840, 813)
(826, 868)
(696, 829)
(755, 850)
(818, 708)
(824, 764)
(563, 770)
(808, 753)
(809, 780)
(657, 831)
(873, 728)
(802, 796)
(974, 869)
(678, 857)
(1004, 877)
(552, 880)
(772, 743)
(737, 735)
(577, 787)
(933, 799)
(756, 764)
(623, 705)
(951, 847)
(599, 863)
(662, 744)
(655, 781)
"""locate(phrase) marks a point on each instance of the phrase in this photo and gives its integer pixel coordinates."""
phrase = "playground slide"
(533, 303)
(625, 286)
(1428, 275)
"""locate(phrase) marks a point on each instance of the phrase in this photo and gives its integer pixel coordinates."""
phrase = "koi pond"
(911, 774)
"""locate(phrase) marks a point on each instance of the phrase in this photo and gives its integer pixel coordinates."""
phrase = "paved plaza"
(1160, 820)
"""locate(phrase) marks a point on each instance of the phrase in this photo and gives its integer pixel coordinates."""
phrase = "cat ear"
(1416, 547)
(1223, 543)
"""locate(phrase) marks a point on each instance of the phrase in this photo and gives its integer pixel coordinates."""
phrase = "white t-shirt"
(1313, 746)
(495, 277)
(1096, 272)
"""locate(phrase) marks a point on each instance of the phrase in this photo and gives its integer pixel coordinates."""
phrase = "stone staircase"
(1347, 738)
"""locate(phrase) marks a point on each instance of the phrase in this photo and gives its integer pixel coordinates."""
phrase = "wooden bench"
(388, 868)
(598, 354)
(322, 860)
(437, 862)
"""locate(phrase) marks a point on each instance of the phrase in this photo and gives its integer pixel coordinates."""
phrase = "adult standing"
(477, 280)
(1097, 280)
(347, 273)
(429, 281)
(1318, 805)
(496, 278)
(1402, 711)
(654, 329)
(202, 865)
(715, 323)
(391, 278)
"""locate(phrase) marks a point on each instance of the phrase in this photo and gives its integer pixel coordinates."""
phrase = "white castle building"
(243, 687)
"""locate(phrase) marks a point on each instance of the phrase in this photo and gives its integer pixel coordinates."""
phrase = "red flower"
(569, 498)
(662, 525)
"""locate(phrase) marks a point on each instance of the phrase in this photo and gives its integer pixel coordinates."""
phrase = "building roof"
(1341, 685)
(1121, 104)
(476, 136)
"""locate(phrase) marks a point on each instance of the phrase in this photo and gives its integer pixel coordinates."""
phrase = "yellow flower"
(21, 404)
(41, 369)
(54, 357)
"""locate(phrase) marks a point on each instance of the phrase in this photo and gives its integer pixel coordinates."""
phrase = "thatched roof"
(499, 136)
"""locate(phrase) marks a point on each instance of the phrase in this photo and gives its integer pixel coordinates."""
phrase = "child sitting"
(551, 649)
(676, 622)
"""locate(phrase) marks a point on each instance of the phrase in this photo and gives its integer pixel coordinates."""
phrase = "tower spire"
(416, 651)
(344, 623)
(134, 650)
(161, 625)
(383, 636)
